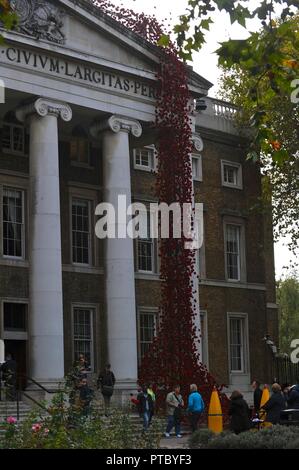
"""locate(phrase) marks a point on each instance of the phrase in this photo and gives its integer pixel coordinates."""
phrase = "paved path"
(174, 443)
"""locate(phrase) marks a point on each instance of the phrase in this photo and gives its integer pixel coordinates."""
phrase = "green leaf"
(205, 24)
(239, 14)
(164, 40)
(226, 5)
(280, 156)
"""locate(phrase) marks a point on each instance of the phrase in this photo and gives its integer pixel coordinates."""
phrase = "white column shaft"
(119, 254)
(46, 311)
(198, 144)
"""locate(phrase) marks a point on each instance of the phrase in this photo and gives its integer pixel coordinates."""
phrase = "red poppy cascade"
(173, 357)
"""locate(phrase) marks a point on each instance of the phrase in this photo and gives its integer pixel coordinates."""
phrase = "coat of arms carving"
(40, 19)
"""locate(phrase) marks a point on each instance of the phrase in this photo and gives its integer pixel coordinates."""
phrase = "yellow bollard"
(264, 399)
(265, 396)
(215, 419)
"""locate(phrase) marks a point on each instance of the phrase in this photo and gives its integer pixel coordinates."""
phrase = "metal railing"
(285, 371)
(280, 367)
(16, 392)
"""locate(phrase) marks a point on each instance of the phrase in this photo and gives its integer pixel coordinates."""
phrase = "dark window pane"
(15, 317)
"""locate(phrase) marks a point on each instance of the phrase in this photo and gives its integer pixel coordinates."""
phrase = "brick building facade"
(237, 288)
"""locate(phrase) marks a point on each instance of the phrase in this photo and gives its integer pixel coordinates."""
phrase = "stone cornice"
(216, 136)
(43, 107)
(116, 124)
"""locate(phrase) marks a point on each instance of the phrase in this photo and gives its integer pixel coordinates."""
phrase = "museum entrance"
(15, 336)
(18, 351)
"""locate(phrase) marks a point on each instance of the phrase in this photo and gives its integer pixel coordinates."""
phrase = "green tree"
(262, 56)
(262, 78)
(277, 129)
(7, 16)
(288, 301)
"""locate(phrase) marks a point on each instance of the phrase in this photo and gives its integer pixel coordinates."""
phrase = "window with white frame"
(144, 158)
(13, 222)
(146, 255)
(196, 167)
(233, 251)
(237, 343)
(81, 234)
(201, 330)
(231, 174)
(204, 337)
(200, 252)
(147, 323)
(146, 252)
(13, 138)
(83, 334)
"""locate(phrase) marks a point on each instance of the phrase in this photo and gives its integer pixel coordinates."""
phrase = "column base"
(50, 387)
(123, 390)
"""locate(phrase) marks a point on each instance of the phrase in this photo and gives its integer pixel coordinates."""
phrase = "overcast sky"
(205, 62)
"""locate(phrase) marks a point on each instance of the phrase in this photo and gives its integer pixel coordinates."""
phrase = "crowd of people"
(242, 417)
(175, 407)
(283, 397)
(81, 394)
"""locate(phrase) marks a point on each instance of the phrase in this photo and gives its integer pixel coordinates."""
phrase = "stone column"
(198, 146)
(45, 281)
(119, 253)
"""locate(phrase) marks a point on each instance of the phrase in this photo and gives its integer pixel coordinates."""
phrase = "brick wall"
(88, 288)
(218, 302)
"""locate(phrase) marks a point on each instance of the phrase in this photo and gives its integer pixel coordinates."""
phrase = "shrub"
(276, 437)
(225, 441)
(65, 428)
(293, 444)
(200, 438)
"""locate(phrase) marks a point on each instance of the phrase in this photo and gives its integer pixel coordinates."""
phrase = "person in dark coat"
(106, 382)
(285, 391)
(239, 413)
(86, 394)
(9, 374)
(293, 397)
(274, 405)
(145, 406)
(257, 395)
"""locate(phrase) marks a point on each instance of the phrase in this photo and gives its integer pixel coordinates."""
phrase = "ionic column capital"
(116, 124)
(197, 142)
(44, 107)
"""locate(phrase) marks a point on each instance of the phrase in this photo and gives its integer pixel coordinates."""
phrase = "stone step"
(14, 414)
(13, 407)
(3, 419)
(5, 410)
(14, 411)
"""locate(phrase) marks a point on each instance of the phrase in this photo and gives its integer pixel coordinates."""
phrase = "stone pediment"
(39, 19)
(81, 30)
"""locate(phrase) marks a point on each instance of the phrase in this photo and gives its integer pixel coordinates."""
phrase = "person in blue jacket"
(195, 406)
